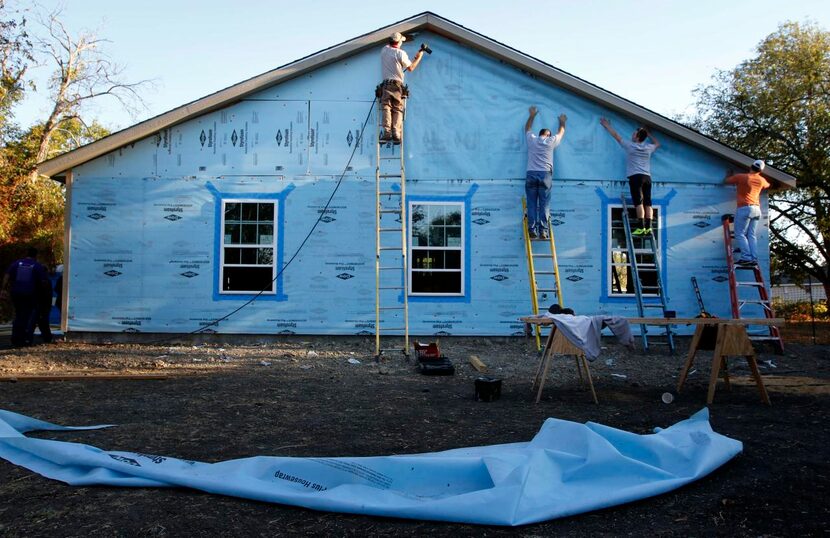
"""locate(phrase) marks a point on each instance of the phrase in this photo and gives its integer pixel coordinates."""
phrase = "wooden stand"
(557, 344)
(732, 341)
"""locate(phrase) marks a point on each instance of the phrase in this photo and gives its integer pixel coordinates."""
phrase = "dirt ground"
(301, 396)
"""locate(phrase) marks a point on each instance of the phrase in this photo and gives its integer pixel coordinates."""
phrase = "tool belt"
(392, 84)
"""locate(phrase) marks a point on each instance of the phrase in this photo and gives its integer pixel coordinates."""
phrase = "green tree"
(31, 210)
(776, 106)
(15, 57)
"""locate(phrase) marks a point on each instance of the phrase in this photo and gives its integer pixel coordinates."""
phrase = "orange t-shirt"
(749, 187)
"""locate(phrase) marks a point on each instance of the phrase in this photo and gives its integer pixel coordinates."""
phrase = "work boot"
(532, 234)
(639, 231)
(544, 234)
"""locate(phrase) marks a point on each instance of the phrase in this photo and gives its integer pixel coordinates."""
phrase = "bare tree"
(82, 73)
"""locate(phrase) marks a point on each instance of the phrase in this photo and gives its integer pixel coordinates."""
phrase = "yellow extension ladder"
(543, 283)
(391, 279)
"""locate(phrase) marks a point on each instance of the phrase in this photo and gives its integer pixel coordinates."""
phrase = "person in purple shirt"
(26, 279)
(539, 178)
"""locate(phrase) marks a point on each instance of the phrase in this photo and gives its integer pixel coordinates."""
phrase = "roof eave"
(57, 166)
(425, 21)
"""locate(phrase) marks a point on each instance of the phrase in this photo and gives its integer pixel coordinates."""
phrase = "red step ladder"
(739, 302)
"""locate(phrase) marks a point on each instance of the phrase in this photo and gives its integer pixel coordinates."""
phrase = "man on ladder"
(638, 171)
(393, 62)
(748, 212)
(539, 177)
(391, 254)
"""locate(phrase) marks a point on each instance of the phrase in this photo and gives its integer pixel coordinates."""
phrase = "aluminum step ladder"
(544, 277)
(657, 299)
(739, 300)
(391, 282)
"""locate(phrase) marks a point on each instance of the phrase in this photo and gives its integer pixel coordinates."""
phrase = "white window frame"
(461, 250)
(272, 246)
(610, 250)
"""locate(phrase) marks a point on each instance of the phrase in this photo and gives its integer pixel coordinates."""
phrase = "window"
(248, 246)
(620, 277)
(436, 247)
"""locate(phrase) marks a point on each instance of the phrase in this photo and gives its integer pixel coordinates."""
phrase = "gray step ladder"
(656, 306)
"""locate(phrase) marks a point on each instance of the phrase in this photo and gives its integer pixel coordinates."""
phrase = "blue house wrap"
(177, 221)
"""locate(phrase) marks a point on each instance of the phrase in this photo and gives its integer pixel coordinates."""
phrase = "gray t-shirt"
(540, 152)
(392, 63)
(637, 157)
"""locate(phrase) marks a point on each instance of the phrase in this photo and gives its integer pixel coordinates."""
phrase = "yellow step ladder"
(391, 279)
(544, 282)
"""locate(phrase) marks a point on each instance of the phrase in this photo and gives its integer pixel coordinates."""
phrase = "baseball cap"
(397, 37)
(759, 164)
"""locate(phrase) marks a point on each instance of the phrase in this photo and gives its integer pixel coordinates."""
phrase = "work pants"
(391, 104)
(23, 326)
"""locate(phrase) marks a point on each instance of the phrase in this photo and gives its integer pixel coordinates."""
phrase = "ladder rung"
(391, 248)
(391, 210)
(391, 328)
(390, 308)
(754, 301)
(757, 284)
(385, 176)
(652, 306)
(390, 158)
(548, 255)
(544, 272)
(389, 193)
(390, 229)
(751, 267)
(390, 268)
(391, 288)
(545, 289)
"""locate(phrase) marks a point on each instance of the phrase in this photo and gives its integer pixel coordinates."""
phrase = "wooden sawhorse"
(557, 344)
(732, 341)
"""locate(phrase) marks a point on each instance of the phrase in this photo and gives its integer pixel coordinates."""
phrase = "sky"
(654, 53)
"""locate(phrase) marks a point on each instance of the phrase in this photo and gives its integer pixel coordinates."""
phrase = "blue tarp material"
(566, 469)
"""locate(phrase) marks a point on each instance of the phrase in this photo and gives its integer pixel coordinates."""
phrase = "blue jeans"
(746, 242)
(537, 191)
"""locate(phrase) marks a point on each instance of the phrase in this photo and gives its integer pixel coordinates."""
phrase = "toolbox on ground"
(431, 361)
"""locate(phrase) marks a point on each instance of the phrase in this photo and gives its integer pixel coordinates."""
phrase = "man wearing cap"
(393, 62)
(748, 212)
(539, 177)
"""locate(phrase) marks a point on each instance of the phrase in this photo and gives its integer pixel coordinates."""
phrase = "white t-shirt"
(637, 157)
(540, 152)
(392, 63)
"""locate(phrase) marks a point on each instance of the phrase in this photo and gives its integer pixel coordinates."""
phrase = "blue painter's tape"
(279, 197)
